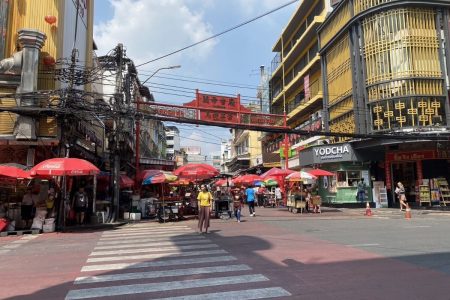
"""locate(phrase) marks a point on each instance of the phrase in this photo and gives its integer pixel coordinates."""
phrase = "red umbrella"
(277, 172)
(13, 172)
(196, 171)
(124, 181)
(247, 179)
(221, 182)
(64, 167)
(320, 172)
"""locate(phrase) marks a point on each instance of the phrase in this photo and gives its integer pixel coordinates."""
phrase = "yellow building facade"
(296, 81)
(55, 22)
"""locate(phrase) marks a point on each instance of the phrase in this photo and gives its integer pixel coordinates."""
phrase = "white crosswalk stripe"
(153, 244)
(189, 237)
(156, 255)
(160, 263)
(161, 286)
(263, 293)
(159, 249)
(132, 237)
(157, 274)
(164, 259)
(146, 232)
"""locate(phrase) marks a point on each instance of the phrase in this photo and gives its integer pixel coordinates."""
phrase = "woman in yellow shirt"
(204, 203)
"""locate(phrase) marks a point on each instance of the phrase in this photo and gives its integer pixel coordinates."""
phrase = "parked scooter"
(167, 213)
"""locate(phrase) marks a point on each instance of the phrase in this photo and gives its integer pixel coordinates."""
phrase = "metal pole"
(94, 194)
(138, 139)
(117, 130)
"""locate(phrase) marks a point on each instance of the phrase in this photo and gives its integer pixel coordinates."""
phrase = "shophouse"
(35, 49)
(385, 68)
(296, 83)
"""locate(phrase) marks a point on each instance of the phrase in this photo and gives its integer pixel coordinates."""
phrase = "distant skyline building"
(173, 141)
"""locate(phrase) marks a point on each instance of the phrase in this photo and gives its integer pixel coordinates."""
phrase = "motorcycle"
(167, 213)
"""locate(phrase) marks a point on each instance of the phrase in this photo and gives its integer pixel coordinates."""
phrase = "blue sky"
(229, 64)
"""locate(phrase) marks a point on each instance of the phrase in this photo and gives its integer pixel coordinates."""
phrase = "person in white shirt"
(278, 195)
(29, 201)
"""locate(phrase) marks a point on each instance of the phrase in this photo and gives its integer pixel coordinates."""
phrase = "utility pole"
(118, 104)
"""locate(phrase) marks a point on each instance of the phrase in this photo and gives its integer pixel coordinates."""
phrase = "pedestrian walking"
(237, 204)
(278, 195)
(250, 193)
(204, 203)
(400, 191)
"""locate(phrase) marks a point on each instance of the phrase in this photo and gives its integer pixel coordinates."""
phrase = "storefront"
(349, 168)
(425, 174)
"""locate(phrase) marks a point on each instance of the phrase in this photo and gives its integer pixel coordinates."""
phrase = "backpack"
(81, 200)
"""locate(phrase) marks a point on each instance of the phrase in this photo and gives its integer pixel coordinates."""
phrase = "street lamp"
(163, 68)
(138, 123)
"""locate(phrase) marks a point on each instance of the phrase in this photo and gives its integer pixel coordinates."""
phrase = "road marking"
(416, 226)
(263, 293)
(149, 228)
(156, 244)
(155, 226)
(146, 249)
(162, 286)
(159, 274)
(158, 255)
(141, 232)
(161, 263)
(362, 245)
(12, 246)
(152, 227)
(126, 237)
(151, 239)
(17, 243)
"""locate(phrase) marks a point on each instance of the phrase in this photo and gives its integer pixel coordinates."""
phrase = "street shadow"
(303, 274)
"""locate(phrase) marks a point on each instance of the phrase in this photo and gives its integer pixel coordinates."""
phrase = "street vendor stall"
(13, 184)
(63, 168)
(166, 205)
(297, 199)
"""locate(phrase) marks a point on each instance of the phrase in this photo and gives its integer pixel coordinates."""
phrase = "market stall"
(63, 169)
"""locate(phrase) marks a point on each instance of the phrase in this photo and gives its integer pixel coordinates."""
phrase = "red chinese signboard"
(222, 110)
(387, 169)
(411, 155)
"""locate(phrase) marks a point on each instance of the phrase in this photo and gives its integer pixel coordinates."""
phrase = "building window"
(348, 178)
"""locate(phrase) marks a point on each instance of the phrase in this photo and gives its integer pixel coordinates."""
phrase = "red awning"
(320, 172)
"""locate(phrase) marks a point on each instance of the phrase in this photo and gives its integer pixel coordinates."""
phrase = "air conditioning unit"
(323, 142)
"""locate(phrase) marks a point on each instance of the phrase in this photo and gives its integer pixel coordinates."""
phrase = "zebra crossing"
(148, 260)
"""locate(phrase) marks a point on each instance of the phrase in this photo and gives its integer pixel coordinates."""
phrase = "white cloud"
(254, 7)
(150, 29)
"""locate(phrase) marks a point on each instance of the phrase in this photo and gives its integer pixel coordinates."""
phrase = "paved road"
(333, 255)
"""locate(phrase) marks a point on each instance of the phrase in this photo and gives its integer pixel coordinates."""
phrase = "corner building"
(385, 67)
(296, 83)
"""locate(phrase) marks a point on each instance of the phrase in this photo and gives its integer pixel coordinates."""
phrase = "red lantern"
(50, 19)
(49, 60)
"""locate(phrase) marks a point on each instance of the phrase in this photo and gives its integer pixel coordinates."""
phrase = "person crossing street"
(250, 193)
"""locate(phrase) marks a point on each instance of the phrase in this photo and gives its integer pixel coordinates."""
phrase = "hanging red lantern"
(49, 60)
(50, 19)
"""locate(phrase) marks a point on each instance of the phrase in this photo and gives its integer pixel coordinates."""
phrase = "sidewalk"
(93, 227)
